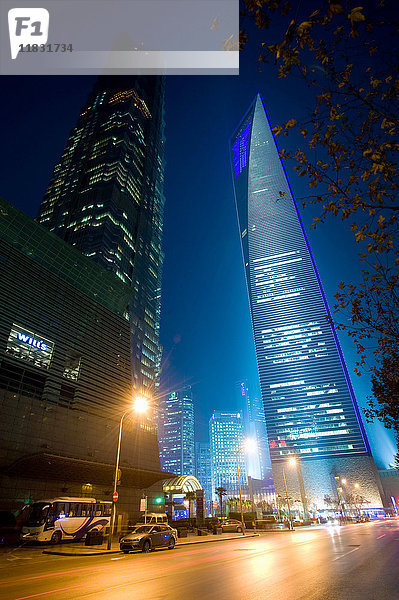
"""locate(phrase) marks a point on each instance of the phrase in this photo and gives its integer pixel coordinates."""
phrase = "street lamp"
(291, 462)
(249, 445)
(140, 405)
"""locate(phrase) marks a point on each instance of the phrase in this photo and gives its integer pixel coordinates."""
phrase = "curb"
(96, 553)
(104, 552)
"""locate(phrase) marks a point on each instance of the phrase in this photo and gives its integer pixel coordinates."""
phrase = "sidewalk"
(78, 549)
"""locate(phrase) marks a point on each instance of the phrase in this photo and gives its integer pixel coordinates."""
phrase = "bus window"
(87, 510)
(38, 514)
(107, 510)
(98, 510)
(62, 510)
(73, 509)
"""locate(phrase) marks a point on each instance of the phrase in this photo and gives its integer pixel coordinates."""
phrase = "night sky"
(205, 329)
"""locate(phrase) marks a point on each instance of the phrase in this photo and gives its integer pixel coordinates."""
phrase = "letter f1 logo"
(27, 25)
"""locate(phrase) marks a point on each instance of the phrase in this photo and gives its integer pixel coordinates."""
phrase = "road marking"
(54, 574)
(50, 592)
(346, 554)
(380, 536)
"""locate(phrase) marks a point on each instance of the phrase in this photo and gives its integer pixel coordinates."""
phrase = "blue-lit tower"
(203, 469)
(176, 429)
(310, 407)
(226, 436)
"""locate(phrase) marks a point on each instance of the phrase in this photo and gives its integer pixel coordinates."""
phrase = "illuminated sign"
(29, 340)
(29, 346)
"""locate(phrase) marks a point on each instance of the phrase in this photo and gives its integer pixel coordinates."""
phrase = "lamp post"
(291, 461)
(140, 405)
(248, 445)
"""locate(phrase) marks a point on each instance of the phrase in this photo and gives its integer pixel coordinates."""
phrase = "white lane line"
(346, 554)
(380, 536)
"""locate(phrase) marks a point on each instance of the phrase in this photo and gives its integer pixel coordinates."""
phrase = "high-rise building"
(65, 376)
(226, 433)
(105, 198)
(176, 429)
(203, 469)
(258, 461)
(309, 403)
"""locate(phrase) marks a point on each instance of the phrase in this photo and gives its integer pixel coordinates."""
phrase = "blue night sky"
(205, 329)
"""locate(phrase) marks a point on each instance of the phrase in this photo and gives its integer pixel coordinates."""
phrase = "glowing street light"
(291, 462)
(140, 405)
(248, 445)
(357, 485)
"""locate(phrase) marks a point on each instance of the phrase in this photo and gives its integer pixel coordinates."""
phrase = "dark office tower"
(106, 198)
(309, 404)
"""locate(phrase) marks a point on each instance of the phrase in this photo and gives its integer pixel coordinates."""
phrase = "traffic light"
(159, 500)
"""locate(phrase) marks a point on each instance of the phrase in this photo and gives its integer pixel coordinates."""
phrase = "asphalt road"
(354, 562)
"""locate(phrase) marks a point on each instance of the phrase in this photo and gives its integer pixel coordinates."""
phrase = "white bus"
(65, 518)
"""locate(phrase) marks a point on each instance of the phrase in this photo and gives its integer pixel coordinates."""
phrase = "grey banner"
(61, 37)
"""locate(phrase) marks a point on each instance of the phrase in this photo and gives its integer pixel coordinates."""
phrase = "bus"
(65, 519)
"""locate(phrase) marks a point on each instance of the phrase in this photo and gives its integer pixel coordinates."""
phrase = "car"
(151, 519)
(148, 537)
(231, 525)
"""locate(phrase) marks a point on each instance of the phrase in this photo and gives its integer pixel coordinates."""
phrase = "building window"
(72, 365)
(30, 347)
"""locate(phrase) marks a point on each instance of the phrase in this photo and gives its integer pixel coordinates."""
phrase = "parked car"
(148, 537)
(151, 518)
(231, 525)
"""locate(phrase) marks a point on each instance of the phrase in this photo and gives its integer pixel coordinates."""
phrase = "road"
(354, 562)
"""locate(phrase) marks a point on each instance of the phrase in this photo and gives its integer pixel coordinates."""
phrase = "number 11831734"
(45, 48)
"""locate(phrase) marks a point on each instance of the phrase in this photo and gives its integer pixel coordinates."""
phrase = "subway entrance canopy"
(181, 484)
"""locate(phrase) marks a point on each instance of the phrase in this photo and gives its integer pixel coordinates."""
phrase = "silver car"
(148, 537)
(231, 525)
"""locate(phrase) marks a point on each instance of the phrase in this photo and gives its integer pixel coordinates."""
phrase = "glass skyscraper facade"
(203, 469)
(258, 462)
(226, 434)
(309, 404)
(176, 428)
(105, 198)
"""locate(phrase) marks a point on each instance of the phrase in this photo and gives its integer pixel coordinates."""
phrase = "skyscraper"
(258, 462)
(309, 404)
(176, 440)
(203, 469)
(105, 198)
(226, 433)
(65, 375)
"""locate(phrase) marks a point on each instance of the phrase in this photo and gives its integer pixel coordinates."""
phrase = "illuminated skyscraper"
(176, 440)
(226, 433)
(203, 469)
(258, 462)
(106, 198)
(309, 404)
